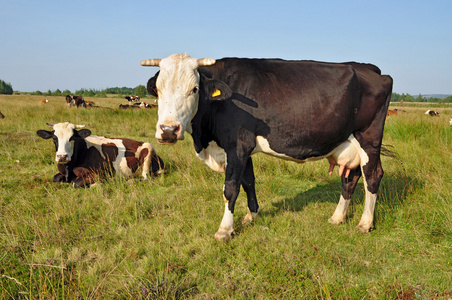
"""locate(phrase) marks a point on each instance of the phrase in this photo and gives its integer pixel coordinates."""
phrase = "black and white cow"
(432, 113)
(295, 110)
(83, 157)
(132, 99)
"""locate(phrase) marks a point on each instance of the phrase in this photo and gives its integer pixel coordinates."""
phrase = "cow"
(392, 112)
(432, 113)
(132, 99)
(127, 106)
(43, 101)
(75, 101)
(295, 110)
(81, 157)
(146, 105)
(90, 104)
(1, 115)
(450, 122)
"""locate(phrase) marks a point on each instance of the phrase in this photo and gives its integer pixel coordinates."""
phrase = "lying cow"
(127, 106)
(432, 113)
(146, 105)
(75, 101)
(235, 107)
(392, 112)
(82, 157)
(43, 101)
(90, 104)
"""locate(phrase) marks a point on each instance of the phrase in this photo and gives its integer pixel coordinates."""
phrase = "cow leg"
(59, 178)
(85, 177)
(348, 187)
(231, 189)
(372, 174)
(248, 184)
(145, 155)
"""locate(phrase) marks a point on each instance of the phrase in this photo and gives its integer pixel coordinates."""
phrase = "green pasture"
(134, 239)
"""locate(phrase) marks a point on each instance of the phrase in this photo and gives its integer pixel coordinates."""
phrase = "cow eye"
(195, 90)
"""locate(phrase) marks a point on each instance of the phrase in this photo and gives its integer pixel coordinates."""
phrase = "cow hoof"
(335, 221)
(249, 217)
(222, 236)
(365, 228)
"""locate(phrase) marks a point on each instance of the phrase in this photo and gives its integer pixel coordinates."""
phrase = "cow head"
(65, 137)
(177, 86)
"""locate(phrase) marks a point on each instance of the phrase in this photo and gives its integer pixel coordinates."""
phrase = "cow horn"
(206, 61)
(153, 62)
(80, 126)
(48, 124)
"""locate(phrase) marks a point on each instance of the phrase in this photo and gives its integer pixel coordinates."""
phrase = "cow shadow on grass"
(393, 191)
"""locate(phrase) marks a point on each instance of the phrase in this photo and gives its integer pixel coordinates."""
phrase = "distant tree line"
(5, 88)
(137, 91)
(408, 98)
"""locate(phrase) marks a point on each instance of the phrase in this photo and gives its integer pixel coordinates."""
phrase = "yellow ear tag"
(216, 93)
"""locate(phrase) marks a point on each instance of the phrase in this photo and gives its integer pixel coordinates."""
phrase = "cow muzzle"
(62, 158)
(170, 134)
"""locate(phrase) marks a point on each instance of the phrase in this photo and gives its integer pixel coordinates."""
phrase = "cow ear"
(151, 86)
(84, 133)
(216, 89)
(44, 134)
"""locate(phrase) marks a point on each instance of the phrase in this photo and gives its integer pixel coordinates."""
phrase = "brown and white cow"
(392, 112)
(43, 101)
(75, 101)
(235, 107)
(83, 157)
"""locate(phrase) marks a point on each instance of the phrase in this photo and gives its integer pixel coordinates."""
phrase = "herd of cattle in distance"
(432, 113)
(79, 101)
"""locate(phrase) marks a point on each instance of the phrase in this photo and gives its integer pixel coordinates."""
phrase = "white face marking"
(177, 88)
(64, 131)
(214, 156)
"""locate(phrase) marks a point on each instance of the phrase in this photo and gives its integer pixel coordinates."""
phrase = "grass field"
(134, 239)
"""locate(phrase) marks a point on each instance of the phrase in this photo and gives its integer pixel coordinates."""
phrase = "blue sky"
(54, 44)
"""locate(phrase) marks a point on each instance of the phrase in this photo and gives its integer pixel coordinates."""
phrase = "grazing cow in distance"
(132, 99)
(75, 101)
(235, 107)
(83, 157)
(43, 101)
(432, 113)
